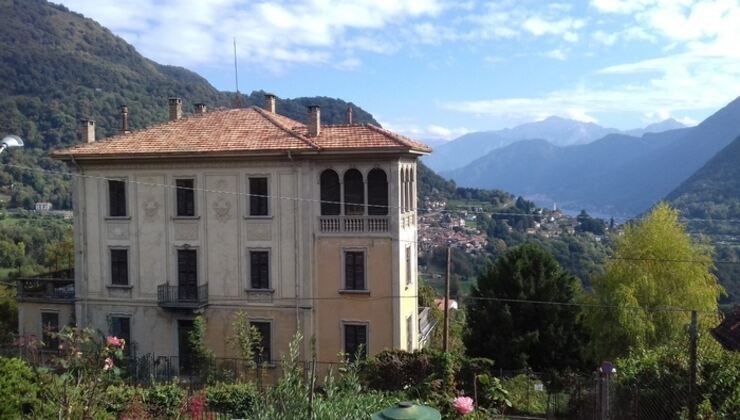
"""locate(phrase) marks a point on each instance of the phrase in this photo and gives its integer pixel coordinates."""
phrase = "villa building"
(305, 227)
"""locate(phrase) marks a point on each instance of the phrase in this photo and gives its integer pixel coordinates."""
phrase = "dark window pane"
(354, 270)
(117, 198)
(330, 193)
(50, 326)
(354, 193)
(185, 197)
(259, 268)
(258, 197)
(265, 334)
(119, 266)
(121, 327)
(377, 193)
(355, 341)
(187, 274)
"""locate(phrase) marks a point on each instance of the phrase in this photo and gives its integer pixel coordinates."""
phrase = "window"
(116, 198)
(377, 193)
(409, 271)
(354, 193)
(258, 197)
(187, 274)
(121, 327)
(119, 267)
(330, 193)
(264, 327)
(49, 327)
(259, 269)
(410, 333)
(355, 341)
(185, 197)
(354, 270)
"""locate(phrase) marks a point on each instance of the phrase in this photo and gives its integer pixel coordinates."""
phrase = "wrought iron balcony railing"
(46, 290)
(185, 297)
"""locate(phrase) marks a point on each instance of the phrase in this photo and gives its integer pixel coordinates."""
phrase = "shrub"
(164, 400)
(119, 397)
(17, 387)
(236, 400)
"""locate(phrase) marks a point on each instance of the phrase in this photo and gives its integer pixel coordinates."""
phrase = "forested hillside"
(710, 199)
(57, 66)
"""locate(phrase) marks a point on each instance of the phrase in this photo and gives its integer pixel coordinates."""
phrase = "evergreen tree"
(516, 335)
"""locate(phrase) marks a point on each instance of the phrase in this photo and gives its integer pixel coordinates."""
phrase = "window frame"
(382, 207)
(51, 344)
(110, 200)
(344, 286)
(179, 190)
(267, 203)
(129, 341)
(250, 284)
(330, 204)
(112, 282)
(270, 343)
(409, 257)
(197, 267)
(366, 347)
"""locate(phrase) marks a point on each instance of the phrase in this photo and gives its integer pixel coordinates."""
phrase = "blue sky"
(438, 68)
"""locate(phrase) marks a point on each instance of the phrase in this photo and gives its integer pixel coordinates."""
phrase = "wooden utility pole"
(446, 306)
(693, 335)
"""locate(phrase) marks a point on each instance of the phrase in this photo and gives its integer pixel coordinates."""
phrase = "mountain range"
(556, 130)
(619, 175)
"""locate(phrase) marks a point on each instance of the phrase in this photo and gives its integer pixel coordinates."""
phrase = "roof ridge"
(391, 135)
(278, 124)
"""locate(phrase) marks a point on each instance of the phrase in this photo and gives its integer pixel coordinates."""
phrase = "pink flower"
(114, 341)
(463, 405)
(108, 363)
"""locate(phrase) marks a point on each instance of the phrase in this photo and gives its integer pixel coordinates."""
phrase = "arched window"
(330, 193)
(377, 193)
(403, 190)
(354, 193)
(412, 185)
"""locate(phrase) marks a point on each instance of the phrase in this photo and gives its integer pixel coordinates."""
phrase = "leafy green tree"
(655, 266)
(204, 360)
(246, 340)
(516, 335)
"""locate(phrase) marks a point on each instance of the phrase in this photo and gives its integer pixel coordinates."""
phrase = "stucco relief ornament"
(222, 208)
(151, 209)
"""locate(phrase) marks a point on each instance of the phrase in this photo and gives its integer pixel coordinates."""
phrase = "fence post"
(693, 333)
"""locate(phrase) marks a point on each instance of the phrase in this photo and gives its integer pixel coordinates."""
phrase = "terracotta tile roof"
(249, 130)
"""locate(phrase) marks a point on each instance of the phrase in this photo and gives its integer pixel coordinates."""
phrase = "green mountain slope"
(712, 194)
(57, 66)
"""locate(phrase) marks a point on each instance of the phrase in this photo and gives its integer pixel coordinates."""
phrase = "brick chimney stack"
(314, 121)
(200, 108)
(175, 109)
(349, 114)
(124, 120)
(270, 102)
(87, 130)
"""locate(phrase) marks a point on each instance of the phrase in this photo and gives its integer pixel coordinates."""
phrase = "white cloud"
(557, 54)
(272, 34)
(430, 131)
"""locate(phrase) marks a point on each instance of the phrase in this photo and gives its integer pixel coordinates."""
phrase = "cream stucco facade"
(306, 252)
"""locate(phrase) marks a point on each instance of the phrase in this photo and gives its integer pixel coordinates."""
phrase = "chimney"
(175, 109)
(349, 114)
(314, 120)
(200, 109)
(270, 102)
(124, 120)
(87, 130)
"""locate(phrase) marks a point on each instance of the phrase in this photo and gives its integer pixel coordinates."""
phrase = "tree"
(655, 266)
(519, 334)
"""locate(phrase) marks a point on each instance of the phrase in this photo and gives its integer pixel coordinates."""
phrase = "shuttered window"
(259, 269)
(355, 341)
(354, 270)
(264, 328)
(116, 198)
(185, 197)
(258, 197)
(119, 267)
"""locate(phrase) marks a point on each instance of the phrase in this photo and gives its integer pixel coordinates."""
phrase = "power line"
(384, 206)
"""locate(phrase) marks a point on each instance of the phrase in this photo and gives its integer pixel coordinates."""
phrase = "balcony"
(354, 224)
(56, 287)
(182, 297)
(426, 326)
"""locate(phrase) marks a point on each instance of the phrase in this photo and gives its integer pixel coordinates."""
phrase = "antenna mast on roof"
(238, 99)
